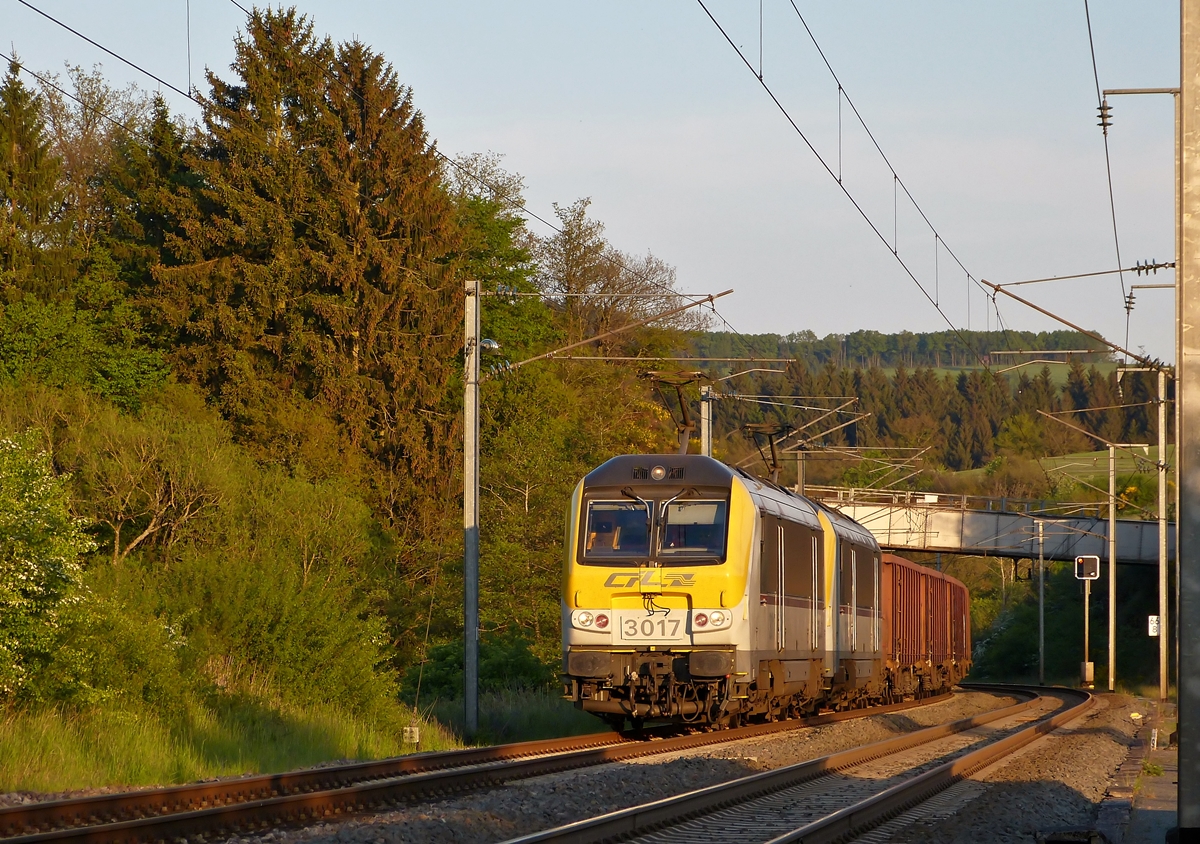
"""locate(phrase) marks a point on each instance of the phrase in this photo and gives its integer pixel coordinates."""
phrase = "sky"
(986, 113)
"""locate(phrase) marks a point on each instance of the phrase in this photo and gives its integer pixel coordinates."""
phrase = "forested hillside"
(966, 419)
(230, 401)
(230, 411)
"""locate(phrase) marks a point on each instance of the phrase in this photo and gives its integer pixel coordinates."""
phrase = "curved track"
(261, 801)
(839, 796)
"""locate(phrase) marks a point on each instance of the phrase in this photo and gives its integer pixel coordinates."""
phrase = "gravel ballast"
(543, 802)
(1053, 785)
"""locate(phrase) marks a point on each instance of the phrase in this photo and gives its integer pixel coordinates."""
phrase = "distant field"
(1058, 371)
(1090, 464)
(1096, 462)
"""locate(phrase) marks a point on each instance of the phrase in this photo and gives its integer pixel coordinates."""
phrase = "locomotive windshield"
(617, 530)
(645, 529)
(694, 529)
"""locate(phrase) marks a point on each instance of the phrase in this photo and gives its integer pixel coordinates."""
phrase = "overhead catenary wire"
(1137, 268)
(768, 403)
(520, 207)
(1093, 335)
(51, 84)
(841, 185)
(1001, 324)
(897, 181)
(135, 133)
(499, 195)
(1108, 407)
(1112, 205)
(115, 55)
(188, 13)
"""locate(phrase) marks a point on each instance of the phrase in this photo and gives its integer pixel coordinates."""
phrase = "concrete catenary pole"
(471, 352)
(706, 420)
(1041, 603)
(1163, 597)
(1112, 566)
(1179, 348)
(1188, 436)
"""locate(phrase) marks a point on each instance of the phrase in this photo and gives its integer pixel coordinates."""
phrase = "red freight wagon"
(926, 628)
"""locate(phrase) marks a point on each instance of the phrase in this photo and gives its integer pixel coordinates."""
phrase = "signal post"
(1087, 569)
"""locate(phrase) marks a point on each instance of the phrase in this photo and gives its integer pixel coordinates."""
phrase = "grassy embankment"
(519, 715)
(53, 750)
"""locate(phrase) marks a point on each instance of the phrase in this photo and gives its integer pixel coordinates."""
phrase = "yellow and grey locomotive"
(699, 593)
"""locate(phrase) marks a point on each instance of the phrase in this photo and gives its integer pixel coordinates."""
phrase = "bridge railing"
(960, 524)
(953, 501)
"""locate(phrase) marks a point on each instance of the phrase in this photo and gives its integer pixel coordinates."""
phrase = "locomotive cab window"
(694, 529)
(616, 530)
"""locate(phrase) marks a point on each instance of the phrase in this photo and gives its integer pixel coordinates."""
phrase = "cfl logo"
(630, 579)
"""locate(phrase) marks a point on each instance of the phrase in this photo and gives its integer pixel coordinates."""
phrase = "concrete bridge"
(959, 524)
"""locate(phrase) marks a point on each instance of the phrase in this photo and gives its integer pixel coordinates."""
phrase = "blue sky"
(986, 111)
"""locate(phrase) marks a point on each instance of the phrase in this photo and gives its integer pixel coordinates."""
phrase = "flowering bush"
(40, 546)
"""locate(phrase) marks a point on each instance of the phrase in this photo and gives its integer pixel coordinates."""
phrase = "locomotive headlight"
(700, 619)
(601, 621)
(717, 617)
(658, 473)
(584, 619)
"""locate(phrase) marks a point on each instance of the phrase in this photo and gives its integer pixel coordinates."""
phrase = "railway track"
(836, 797)
(259, 802)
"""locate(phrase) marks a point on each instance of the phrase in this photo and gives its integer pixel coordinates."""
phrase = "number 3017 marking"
(649, 627)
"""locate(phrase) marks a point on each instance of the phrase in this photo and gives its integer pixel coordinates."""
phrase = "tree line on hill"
(966, 420)
(871, 349)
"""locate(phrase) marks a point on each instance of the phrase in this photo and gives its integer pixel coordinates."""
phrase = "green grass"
(1058, 370)
(56, 750)
(508, 716)
(1088, 464)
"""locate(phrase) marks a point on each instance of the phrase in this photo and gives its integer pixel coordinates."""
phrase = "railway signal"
(1087, 567)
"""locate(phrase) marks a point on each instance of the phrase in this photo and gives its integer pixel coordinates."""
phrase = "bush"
(114, 655)
(505, 664)
(519, 715)
(88, 339)
(40, 546)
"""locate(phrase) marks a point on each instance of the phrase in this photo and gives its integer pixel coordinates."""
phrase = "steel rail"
(258, 801)
(644, 819)
(56, 814)
(862, 816)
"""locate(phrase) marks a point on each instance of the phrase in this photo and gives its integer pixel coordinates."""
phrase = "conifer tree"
(317, 262)
(149, 191)
(32, 231)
